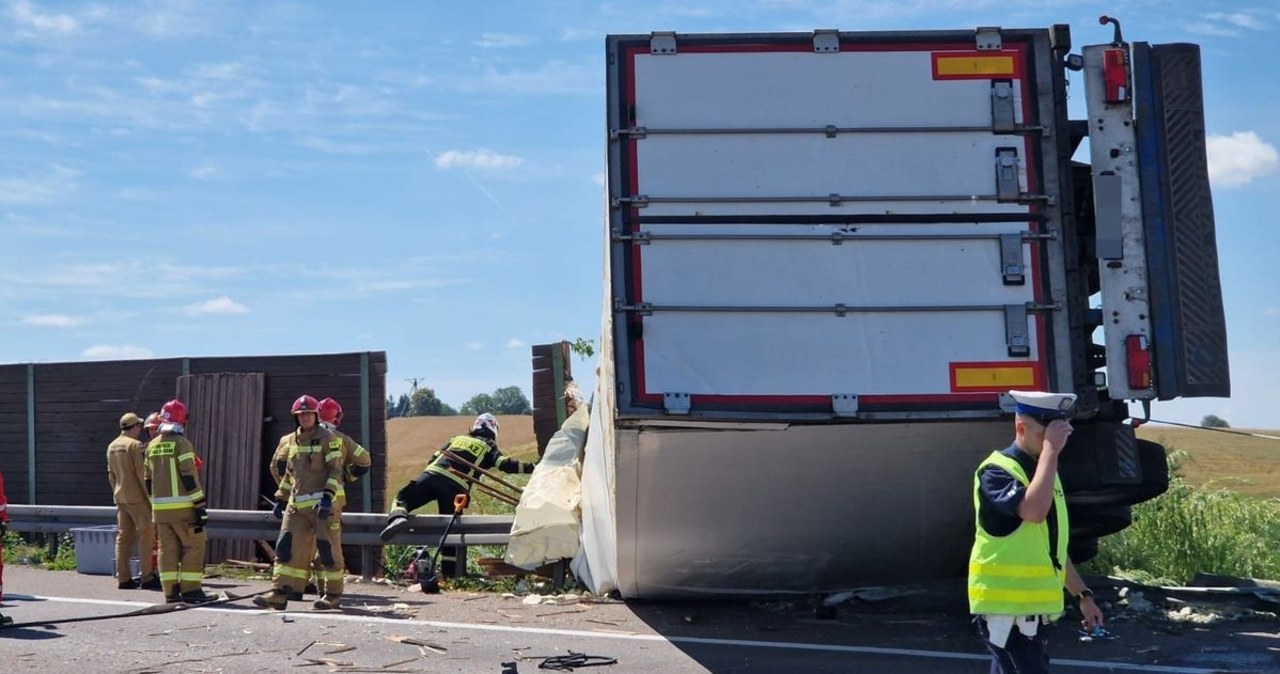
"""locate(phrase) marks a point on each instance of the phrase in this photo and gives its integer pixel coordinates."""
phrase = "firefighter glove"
(278, 510)
(326, 507)
(202, 519)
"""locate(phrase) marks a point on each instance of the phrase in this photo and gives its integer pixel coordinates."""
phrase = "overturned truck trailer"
(831, 255)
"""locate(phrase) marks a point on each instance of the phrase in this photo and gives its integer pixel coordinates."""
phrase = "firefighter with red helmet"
(152, 426)
(439, 483)
(355, 464)
(178, 507)
(310, 476)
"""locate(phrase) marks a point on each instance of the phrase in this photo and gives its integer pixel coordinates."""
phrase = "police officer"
(126, 470)
(355, 463)
(178, 507)
(437, 483)
(310, 477)
(1015, 588)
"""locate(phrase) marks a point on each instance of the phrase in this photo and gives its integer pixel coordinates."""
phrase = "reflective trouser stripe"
(330, 575)
(292, 571)
(169, 576)
(192, 575)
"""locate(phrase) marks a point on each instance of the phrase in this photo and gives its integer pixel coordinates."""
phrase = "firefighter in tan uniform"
(355, 464)
(135, 532)
(178, 507)
(310, 478)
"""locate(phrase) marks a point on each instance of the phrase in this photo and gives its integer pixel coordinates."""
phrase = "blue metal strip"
(1160, 272)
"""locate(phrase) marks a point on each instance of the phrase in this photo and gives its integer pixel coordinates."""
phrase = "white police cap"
(1044, 406)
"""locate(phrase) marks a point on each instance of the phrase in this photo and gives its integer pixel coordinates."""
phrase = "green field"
(1239, 463)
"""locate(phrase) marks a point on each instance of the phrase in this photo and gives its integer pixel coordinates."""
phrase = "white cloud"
(478, 159)
(203, 172)
(1240, 19)
(515, 344)
(552, 77)
(51, 321)
(501, 40)
(598, 179)
(25, 13)
(220, 306)
(57, 182)
(1211, 29)
(126, 352)
(1239, 158)
(473, 346)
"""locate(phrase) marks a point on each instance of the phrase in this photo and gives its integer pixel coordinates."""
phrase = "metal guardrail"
(360, 529)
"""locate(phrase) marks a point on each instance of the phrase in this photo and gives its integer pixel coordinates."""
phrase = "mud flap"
(1104, 463)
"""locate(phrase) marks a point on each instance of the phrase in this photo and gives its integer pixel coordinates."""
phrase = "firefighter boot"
(397, 525)
(328, 602)
(274, 599)
(152, 583)
(197, 597)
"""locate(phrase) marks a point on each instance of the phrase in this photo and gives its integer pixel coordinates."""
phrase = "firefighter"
(152, 426)
(1015, 589)
(178, 507)
(126, 470)
(310, 477)
(4, 527)
(355, 464)
(437, 483)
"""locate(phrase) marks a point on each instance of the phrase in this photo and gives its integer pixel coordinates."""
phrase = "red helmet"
(305, 404)
(153, 421)
(330, 411)
(174, 412)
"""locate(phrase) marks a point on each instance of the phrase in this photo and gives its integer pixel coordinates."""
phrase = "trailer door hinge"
(988, 38)
(1017, 338)
(826, 41)
(844, 404)
(1011, 267)
(1002, 120)
(1007, 186)
(675, 403)
(662, 42)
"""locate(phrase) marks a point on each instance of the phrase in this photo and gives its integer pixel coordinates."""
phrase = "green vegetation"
(1194, 529)
(20, 550)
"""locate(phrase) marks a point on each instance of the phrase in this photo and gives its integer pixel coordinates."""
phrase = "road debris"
(423, 646)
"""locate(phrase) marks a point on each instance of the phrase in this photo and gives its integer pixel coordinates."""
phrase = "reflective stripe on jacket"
(170, 458)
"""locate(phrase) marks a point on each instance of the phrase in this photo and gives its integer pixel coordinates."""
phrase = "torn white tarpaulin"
(547, 518)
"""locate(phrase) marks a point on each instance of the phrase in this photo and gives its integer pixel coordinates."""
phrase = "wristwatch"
(1085, 593)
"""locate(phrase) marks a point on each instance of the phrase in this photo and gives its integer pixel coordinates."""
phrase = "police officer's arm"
(1035, 506)
(1088, 607)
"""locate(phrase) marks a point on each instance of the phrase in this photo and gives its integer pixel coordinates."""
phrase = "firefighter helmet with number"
(330, 411)
(174, 412)
(486, 422)
(305, 403)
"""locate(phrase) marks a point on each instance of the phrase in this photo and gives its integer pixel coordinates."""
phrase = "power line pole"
(408, 411)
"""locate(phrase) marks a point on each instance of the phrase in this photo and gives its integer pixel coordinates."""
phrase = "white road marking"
(796, 646)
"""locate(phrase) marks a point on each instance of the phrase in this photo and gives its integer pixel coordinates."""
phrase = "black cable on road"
(156, 609)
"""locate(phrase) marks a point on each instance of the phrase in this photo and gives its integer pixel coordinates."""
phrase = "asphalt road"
(458, 632)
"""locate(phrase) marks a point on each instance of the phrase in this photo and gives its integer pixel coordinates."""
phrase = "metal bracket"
(1016, 336)
(676, 403)
(1007, 187)
(636, 132)
(988, 38)
(826, 41)
(1002, 120)
(845, 404)
(1011, 267)
(662, 42)
(637, 201)
(834, 199)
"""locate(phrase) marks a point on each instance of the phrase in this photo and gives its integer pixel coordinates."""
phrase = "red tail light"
(1115, 75)
(1138, 353)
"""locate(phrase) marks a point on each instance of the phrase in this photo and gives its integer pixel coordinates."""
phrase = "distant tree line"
(424, 403)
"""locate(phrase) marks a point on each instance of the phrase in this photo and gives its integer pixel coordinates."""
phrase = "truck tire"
(1098, 521)
(1154, 468)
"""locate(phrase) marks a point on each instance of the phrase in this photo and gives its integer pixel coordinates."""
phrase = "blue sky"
(192, 178)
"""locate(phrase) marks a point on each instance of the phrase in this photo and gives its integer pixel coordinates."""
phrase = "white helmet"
(488, 422)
